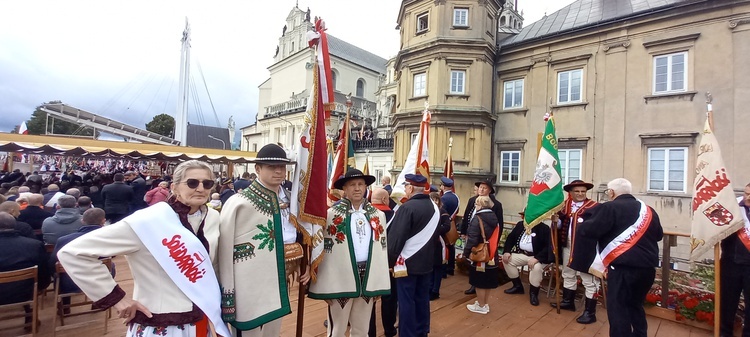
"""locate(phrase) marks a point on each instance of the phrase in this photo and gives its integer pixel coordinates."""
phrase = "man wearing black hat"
(450, 204)
(484, 188)
(354, 269)
(415, 221)
(567, 220)
(259, 250)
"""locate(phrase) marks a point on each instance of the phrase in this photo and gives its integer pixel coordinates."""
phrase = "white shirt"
(573, 208)
(361, 233)
(525, 243)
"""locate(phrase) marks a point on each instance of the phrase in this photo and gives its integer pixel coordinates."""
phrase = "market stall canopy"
(84, 147)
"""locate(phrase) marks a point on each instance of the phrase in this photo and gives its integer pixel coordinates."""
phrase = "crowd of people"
(213, 254)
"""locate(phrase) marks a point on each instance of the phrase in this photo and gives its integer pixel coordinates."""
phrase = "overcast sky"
(121, 59)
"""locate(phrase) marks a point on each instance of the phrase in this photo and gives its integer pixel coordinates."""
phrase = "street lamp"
(223, 144)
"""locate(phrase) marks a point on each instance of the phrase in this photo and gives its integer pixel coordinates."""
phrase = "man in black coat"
(116, 198)
(735, 273)
(484, 188)
(242, 183)
(139, 190)
(34, 214)
(630, 262)
(17, 252)
(534, 250)
(416, 219)
(388, 303)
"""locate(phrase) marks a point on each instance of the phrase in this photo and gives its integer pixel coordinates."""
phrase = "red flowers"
(340, 236)
(338, 220)
(690, 303)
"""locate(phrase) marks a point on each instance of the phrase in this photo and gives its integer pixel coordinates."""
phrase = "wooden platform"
(510, 315)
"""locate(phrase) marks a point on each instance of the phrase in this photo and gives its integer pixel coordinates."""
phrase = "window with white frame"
(670, 73)
(458, 79)
(360, 88)
(510, 166)
(569, 86)
(570, 164)
(461, 17)
(420, 84)
(413, 137)
(378, 175)
(513, 97)
(667, 169)
(423, 22)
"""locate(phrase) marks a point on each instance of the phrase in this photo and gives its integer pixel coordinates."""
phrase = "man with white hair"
(626, 232)
(65, 221)
(74, 192)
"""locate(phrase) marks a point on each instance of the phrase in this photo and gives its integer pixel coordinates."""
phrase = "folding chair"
(15, 276)
(50, 248)
(66, 310)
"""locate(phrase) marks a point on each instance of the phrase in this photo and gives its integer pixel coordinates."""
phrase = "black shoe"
(589, 314)
(449, 272)
(470, 291)
(517, 287)
(434, 296)
(568, 300)
(533, 295)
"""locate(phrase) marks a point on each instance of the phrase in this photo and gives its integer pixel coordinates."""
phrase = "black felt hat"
(272, 154)
(578, 182)
(353, 174)
(487, 182)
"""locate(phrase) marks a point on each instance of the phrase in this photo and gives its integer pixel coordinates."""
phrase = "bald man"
(14, 209)
(388, 304)
(34, 214)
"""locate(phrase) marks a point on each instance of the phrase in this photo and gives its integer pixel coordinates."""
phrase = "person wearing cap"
(524, 248)
(354, 269)
(484, 188)
(451, 203)
(410, 254)
(259, 250)
(226, 191)
(566, 222)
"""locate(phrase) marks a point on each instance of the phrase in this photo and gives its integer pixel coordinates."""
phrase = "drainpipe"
(493, 108)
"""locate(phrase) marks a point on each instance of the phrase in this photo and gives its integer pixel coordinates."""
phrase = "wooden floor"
(510, 315)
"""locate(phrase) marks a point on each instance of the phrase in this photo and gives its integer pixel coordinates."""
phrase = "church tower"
(446, 59)
(293, 36)
(510, 17)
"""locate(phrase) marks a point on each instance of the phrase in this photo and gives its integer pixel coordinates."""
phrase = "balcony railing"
(292, 105)
(374, 145)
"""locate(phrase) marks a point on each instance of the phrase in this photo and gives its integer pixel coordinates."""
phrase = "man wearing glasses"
(259, 251)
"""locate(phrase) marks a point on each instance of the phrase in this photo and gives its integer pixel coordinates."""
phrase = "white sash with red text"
(183, 258)
(628, 238)
(415, 243)
(744, 233)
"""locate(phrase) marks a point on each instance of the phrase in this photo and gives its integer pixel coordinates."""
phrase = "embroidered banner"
(716, 214)
(546, 193)
(418, 160)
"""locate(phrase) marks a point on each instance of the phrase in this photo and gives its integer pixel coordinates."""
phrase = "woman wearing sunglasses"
(171, 248)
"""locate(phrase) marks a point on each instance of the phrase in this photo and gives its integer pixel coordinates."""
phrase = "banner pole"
(302, 290)
(557, 262)
(717, 289)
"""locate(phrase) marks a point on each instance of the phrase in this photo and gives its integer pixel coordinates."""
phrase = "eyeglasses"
(193, 183)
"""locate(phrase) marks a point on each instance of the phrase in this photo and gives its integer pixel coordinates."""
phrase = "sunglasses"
(193, 183)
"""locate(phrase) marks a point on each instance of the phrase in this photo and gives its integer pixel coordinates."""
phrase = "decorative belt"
(527, 253)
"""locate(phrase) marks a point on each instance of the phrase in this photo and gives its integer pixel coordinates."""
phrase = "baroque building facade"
(283, 96)
(447, 58)
(627, 88)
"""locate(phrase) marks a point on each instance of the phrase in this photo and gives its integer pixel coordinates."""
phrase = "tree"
(38, 121)
(162, 124)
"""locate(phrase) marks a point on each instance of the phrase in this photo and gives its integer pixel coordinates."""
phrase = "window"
(420, 85)
(423, 22)
(570, 164)
(670, 73)
(510, 166)
(414, 137)
(292, 46)
(334, 76)
(667, 169)
(360, 88)
(569, 86)
(461, 17)
(378, 175)
(513, 97)
(458, 78)
(255, 147)
(502, 21)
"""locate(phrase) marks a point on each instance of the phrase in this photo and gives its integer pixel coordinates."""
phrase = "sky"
(120, 59)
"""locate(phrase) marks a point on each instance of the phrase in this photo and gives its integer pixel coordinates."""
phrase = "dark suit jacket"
(474, 233)
(116, 198)
(603, 223)
(410, 219)
(541, 241)
(17, 252)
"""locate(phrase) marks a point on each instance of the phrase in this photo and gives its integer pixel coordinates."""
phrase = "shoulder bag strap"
(481, 227)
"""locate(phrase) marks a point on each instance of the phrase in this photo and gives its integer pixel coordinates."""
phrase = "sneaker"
(476, 308)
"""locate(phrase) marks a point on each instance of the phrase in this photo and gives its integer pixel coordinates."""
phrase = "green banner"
(546, 193)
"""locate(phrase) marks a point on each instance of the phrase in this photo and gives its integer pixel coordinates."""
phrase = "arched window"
(360, 88)
(502, 21)
(334, 76)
